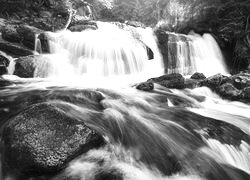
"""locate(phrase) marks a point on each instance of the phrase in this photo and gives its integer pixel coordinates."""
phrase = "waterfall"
(164, 134)
(192, 53)
(107, 51)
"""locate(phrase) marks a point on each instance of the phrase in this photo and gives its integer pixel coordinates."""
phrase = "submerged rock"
(145, 86)
(43, 139)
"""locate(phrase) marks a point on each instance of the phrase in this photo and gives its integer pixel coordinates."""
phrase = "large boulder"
(15, 50)
(25, 66)
(9, 33)
(29, 35)
(43, 139)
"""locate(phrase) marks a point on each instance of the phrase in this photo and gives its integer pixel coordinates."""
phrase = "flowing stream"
(164, 134)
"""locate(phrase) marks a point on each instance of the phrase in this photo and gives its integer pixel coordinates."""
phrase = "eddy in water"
(94, 131)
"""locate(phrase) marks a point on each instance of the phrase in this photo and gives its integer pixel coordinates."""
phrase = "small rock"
(191, 83)
(241, 80)
(150, 53)
(135, 24)
(246, 93)
(145, 86)
(198, 76)
(174, 80)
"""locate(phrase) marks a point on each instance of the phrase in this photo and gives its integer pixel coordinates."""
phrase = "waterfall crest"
(107, 51)
(192, 53)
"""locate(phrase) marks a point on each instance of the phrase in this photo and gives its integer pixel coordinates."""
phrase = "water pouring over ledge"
(150, 136)
(106, 52)
(111, 51)
(187, 54)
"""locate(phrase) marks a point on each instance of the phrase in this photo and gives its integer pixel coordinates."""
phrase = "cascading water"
(107, 51)
(192, 53)
(148, 136)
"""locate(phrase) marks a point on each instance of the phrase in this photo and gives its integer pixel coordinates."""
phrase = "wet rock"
(25, 66)
(145, 86)
(246, 93)
(191, 83)
(9, 33)
(198, 76)
(82, 24)
(241, 80)
(135, 24)
(4, 61)
(44, 39)
(43, 139)
(162, 38)
(174, 80)
(213, 82)
(228, 91)
(15, 49)
(3, 70)
(150, 53)
(79, 28)
(28, 34)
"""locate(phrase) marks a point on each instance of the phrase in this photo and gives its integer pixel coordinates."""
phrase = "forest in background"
(227, 20)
